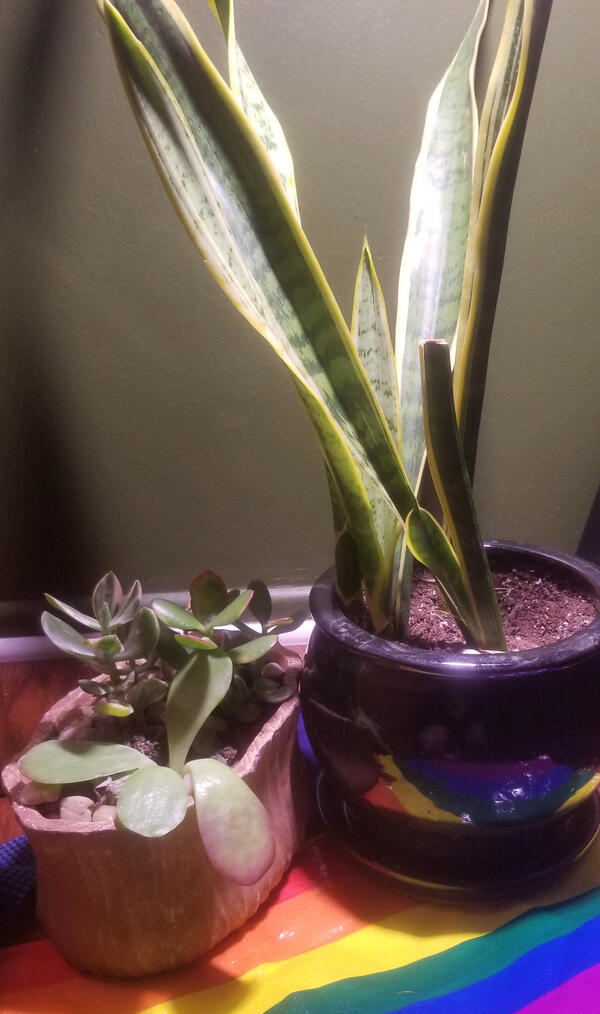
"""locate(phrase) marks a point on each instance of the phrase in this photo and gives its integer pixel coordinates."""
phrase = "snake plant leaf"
(73, 614)
(173, 615)
(233, 205)
(152, 801)
(129, 606)
(352, 512)
(64, 762)
(252, 650)
(503, 122)
(108, 592)
(371, 334)
(196, 642)
(142, 637)
(449, 472)
(193, 695)
(66, 638)
(254, 104)
(233, 610)
(234, 825)
(431, 272)
(208, 596)
(428, 544)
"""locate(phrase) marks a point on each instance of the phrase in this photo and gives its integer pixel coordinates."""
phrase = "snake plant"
(379, 408)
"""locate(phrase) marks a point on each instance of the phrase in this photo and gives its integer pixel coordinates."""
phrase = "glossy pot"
(457, 773)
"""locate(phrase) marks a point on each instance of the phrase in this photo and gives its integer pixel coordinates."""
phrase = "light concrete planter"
(118, 904)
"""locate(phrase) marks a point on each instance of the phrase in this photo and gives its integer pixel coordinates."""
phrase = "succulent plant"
(120, 640)
(216, 673)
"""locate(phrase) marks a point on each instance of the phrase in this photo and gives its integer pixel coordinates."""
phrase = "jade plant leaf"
(233, 610)
(234, 825)
(130, 605)
(261, 604)
(252, 650)
(174, 616)
(197, 642)
(142, 638)
(62, 762)
(146, 692)
(108, 592)
(107, 646)
(66, 638)
(208, 596)
(115, 709)
(152, 801)
(193, 695)
(73, 614)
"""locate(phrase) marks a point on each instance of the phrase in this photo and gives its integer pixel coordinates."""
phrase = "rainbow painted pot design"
(457, 771)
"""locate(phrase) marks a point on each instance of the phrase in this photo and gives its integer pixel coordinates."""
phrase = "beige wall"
(145, 427)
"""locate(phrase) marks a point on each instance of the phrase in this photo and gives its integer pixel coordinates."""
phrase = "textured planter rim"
(89, 932)
(465, 665)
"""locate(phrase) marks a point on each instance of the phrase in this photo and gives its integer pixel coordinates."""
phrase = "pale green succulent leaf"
(173, 615)
(431, 273)
(449, 472)
(142, 637)
(152, 802)
(130, 605)
(234, 825)
(197, 642)
(64, 762)
(106, 646)
(233, 610)
(107, 593)
(73, 614)
(66, 638)
(252, 650)
(193, 695)
(115, 709)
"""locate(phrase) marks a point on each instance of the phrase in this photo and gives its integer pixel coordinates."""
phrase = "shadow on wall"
(39, 508)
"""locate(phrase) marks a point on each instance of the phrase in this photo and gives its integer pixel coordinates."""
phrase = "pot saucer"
(565, 841)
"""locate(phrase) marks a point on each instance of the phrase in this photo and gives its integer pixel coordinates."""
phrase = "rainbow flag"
(333, 940)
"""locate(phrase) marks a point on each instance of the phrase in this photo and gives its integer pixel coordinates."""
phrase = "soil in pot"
(537, 606)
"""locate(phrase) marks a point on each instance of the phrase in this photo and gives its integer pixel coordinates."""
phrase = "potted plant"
(388, 420)
(127, 783)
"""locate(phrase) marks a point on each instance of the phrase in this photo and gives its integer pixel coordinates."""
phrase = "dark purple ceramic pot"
(452, 772)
